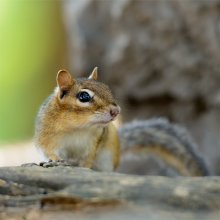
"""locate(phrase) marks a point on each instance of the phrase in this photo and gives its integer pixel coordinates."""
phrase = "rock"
(160, 59)
(64, 192)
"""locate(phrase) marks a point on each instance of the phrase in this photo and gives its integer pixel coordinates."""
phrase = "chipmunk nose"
(114, 111)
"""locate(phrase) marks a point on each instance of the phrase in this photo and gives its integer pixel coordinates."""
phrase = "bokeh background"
(161, 59)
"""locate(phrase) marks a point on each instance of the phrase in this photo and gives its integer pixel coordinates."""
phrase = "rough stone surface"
(161, 58)
(66, 192)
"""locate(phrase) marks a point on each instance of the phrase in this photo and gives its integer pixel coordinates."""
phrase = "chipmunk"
(76, 123)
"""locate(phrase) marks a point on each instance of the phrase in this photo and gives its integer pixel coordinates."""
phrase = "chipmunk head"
(85, 101)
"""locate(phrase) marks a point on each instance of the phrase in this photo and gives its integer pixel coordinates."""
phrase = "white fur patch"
(76, 145)
(104, 161)
(56, 90)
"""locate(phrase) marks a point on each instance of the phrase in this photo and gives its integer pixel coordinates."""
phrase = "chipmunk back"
(158, 147)
(75, 123)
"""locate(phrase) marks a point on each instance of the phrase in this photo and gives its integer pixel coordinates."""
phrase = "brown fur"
(63, 115)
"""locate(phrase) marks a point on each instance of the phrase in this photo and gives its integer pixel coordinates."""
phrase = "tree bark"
(64, 192)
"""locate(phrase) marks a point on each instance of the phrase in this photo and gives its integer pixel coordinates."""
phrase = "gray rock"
(64, 192)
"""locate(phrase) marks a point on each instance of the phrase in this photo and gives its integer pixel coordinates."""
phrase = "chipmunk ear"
(94, 74)
(65, 81)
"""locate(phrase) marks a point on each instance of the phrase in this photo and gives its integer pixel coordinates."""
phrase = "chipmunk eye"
(84, 97)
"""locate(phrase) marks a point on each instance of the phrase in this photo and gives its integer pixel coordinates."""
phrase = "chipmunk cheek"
(100, 106)
(83, 120)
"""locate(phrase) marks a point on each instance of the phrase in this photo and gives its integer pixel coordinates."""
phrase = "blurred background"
(161, 59)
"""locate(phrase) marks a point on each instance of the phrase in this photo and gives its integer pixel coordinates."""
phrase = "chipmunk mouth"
(103, 119)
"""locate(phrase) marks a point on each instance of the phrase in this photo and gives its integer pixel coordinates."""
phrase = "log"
(66, 192)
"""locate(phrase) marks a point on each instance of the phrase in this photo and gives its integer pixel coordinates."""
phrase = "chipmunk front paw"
(56, 163)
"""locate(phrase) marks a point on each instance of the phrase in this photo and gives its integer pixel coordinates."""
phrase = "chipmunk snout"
(114, 111)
